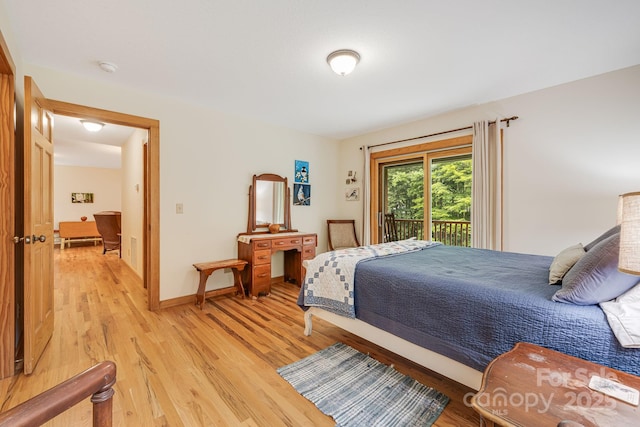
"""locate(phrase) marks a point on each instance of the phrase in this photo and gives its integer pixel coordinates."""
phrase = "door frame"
(151, 220)
(381, 193)
(7, 205)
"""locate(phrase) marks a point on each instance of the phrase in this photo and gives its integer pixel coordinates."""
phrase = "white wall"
(573, 150)
(207, 160)
(104, 183)
(133, 200)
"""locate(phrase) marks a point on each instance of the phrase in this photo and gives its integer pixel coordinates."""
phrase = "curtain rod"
(440, 133)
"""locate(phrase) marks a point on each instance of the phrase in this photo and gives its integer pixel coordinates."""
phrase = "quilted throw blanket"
(329, 280)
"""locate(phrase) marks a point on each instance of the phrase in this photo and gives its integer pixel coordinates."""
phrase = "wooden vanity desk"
(257, 249)
(269, 210)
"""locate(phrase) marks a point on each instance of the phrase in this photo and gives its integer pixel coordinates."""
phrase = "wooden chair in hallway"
(108, 223)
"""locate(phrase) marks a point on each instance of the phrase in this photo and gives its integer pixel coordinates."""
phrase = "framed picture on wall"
(301, 195)
(352, 194)
(301, 173)
(81, 197)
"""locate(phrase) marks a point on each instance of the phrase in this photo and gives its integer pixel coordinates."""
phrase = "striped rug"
(357, 390)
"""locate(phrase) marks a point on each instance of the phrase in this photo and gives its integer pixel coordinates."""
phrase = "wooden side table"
(78, 231)
(532, 385)
(206, 268)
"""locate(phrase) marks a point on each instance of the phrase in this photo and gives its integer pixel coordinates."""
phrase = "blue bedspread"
(472, 305)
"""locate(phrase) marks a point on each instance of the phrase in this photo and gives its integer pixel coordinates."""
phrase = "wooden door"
(38, 224)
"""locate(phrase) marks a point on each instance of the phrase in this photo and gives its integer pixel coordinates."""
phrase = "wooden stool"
(206, 268)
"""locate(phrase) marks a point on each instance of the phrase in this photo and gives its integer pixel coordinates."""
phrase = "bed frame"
(420, 355)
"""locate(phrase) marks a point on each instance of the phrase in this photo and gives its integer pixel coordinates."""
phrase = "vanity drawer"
(261, 276)
(308, 252)
(261, 244)
(262, 256)
(287, 243)
(309, 240)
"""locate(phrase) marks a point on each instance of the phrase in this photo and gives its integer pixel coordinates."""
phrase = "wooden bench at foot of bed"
(78, 231)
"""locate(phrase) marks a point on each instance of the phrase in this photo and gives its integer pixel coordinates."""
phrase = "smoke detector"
(108, 67)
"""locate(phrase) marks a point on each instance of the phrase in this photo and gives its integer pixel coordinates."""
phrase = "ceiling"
(76, 146)
(267, 59)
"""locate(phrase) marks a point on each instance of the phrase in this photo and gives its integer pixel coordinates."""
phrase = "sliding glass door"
(402, 200)
(423, 192)
(451, 200)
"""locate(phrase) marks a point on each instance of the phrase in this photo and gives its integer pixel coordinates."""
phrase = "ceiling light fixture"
(92, 126)
(108, 67)
(343, 61)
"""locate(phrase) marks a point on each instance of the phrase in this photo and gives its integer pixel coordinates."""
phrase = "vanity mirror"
(269, 201)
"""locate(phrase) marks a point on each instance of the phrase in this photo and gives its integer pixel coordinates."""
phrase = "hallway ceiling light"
(343, 61)
(92, 126)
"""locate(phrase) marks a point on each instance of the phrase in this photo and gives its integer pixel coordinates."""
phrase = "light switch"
(179, 208)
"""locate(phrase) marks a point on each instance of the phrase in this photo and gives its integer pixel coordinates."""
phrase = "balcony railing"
(452, 233)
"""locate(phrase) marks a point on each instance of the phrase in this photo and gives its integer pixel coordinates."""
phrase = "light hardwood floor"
(186, 367)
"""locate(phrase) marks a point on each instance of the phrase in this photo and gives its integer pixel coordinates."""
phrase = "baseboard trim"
(191, 299)
(187, 299)
(126, 264)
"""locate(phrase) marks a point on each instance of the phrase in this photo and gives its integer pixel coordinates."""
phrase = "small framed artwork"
(301, 195)
(301, 174)
(352, 194)
(81, 197)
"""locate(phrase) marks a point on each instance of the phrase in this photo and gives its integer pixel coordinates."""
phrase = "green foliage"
(405, 191)
(450, 190)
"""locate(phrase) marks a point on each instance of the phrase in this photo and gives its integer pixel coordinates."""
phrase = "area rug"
(357, 390)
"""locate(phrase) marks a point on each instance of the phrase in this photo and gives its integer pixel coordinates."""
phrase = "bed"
(454, 309)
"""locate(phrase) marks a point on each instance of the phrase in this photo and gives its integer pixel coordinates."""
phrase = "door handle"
(28, 239)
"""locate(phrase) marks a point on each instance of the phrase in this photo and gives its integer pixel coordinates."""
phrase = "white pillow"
(564, 261)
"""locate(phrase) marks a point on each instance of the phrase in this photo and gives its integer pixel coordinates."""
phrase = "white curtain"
(366, 197)
(486, 193)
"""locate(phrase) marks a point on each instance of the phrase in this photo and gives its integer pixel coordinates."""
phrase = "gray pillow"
(564, 261)
(610, 232)
(595, 277)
